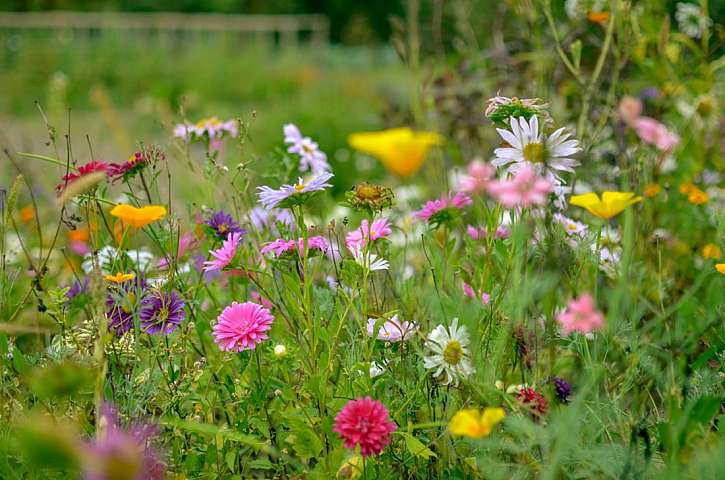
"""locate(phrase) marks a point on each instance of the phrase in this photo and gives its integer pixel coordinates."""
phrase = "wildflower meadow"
(516, 272)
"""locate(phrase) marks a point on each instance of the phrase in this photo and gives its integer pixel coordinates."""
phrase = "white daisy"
(529, 145)
(369, 261)
(691, 20)
(571, 227)
(450, 358)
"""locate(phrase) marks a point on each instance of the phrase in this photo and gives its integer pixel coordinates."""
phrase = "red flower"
(364, 422)
(533, 400)
(88, 168)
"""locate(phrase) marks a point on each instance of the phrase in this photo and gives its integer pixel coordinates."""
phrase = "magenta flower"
(224, 255)
(653, 132)
(525, 190)
(432, 208)
(364, 422)
(479, 174)
(281, 246)
(242, 326)
(468, 290)
(358, 237)
(580, 316)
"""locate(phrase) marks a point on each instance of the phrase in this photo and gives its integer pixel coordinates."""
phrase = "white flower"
(311, 157)
(280, 350)
(369, 261)
(529, 145)
(450, 358)
(376, 369)
(691, 21)
(143, 258)
(106, 256)
(571, 227)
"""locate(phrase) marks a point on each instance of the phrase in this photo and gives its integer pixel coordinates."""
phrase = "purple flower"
(222, 224)
(122, 453)
(121, 304)
(562, 389)
(162, 312)
(311, 157)
(288, 195)
(262, 218)
(78, 288)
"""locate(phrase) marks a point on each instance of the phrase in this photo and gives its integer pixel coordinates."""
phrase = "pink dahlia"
(479, 174)
(431, 207)
(281, 246)
(241, 326)
(364, 422)
(525, 190)
(580, 316)
(224, 255)
(358, 237)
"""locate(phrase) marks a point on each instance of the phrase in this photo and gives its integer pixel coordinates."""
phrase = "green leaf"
(260, 464)
(415, 446)
(576, 53)
(704, 409)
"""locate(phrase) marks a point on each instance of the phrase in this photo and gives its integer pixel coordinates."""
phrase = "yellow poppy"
(474, 424)
(711, 251)
(610, 205)
(138, 217)
(720, 267)
(120, 277)
(401, 150)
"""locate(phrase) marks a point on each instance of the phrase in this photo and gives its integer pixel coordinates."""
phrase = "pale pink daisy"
(482, 233)
(431, 207)
(281, 246)
(224, 255)
(241, 326)
(525, 190)
(479, 174)
(580, 316)
(380, 228)
(392, 330)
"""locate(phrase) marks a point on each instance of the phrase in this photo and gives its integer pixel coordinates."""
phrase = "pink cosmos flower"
(393, 330)
(281, 246)
(630, 108)
(468, 290)
(431, 207)
(242, 326)
(580, 316)
(224, 255)
(653, 132)
(525, 190)
(479, 174)
(485, 298)
(364, 422)
(358, 237)
(481, 233)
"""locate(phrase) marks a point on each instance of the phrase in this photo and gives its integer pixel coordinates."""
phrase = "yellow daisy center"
(534, 152)
(453, 353)
(299, 187)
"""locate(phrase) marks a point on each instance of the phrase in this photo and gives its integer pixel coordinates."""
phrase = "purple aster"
(262, 218)
(121, 303)
(288, 195)
(122, 453)
(311, 157)
(562, 388)
(222, 224)
(162, 312)
(78, 288)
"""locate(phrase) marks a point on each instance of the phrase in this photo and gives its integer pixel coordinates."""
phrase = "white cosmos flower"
(370, 261)
(449, 358)
(691, 20)
(106, 256)
(529, 145)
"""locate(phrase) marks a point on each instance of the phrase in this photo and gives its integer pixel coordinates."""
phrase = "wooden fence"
(289, 30)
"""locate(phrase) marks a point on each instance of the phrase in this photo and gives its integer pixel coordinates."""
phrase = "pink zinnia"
(580, 316)
(223, 256)
(364, 422)
(281, 246)
(653, 132)
(241, 326)
(358, 237)
(525, 190)
(431, 207)
(479, 174)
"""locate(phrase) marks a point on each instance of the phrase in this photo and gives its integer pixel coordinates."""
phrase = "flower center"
(163, 313)
(367, 192)
(534, 152)
(453, 353)
(223, 228)
(307, 148)
(299, 187)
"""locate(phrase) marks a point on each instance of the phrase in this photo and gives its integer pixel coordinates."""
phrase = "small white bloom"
(376, 369)
(369, 261)
(449, 358)
(280, 350)
(105, 257)
(691, 21)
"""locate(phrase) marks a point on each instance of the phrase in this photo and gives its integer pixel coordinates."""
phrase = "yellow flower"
(652, 190)
(697, 196)
(598, 17)
(351, 468)
(138, 217)
(686, 188)
(401, 150)
(474, 424)
(711, 251)
(720, 267)
(610, 205)
(120, 277)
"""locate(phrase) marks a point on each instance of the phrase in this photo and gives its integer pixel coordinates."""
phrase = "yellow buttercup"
(610, 205)
(474, 424)
(401, 150)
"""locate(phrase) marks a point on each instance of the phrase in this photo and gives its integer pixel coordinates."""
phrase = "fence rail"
(288, 27)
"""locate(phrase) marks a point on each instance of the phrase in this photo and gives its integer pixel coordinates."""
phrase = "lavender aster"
(311, 157)
(162, 312)
(290, 195)
(221, 224)
(562, 389)
(121, 303)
